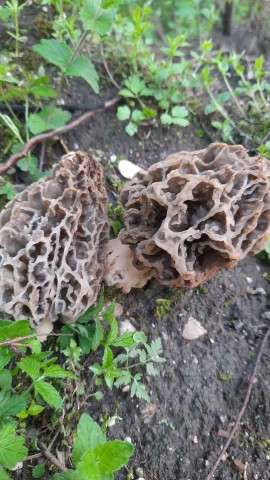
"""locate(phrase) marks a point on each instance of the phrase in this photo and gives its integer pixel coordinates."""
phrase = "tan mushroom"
(52, 238)
(195, 213)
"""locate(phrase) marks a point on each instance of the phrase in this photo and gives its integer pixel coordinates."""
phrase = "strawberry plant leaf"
(54, 52)
(48, 393)
(89, 435)
(30, 366)
(111, 456)
(12, 448)
(84, 68)
(55, 371)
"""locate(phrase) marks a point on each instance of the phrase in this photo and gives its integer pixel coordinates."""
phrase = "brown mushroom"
(52, 238)
(195, 213)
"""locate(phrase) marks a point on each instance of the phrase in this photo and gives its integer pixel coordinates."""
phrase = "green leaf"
(48, 118)
(180, 112)
(12, 449)
(43, 91)
(5, 356)
(11, 405)
(39, 470)
(93, 311)
(98, 336)
(107, 359)
(151, 370)
(3, 474)
(139, 337)
(123, 113)
(111, 456)
(125, 340)
(84, 68)
(15, 330)
(183, 122)
(48, 393)
(35, 409)
(68, 475)
(30, 366)
(28, 164)
(6, 120)
(89, 435)
(54, 52)
(131, 128)
(166, 119)
(138, 389)
(5, 380)
(55, 371)
(96, 18)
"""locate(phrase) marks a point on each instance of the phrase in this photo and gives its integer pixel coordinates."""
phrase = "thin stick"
(58, 131)
(242, 411)
(110, 75)
(15, 341)
(51, 457)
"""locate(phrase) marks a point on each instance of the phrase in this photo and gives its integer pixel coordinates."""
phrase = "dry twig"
(43, 137)
(242, 411)
(51, 457)
(16, 341)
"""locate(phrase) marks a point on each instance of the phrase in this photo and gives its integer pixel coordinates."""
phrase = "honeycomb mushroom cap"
(197, 212)
(52, 238)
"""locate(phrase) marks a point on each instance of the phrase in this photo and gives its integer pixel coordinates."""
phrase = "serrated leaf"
(89, 435)
(12, 448)
(84, 68)
(125, 340)
(30, 366)
(15, 330)
(48, 393)
(107, 359)
(151, 370)
(96, 18)
(98, 336)
(43, 91)
(11, 405)
(3, 474)
(35, 409)
(111, 456)
(124, 379)
(112, 335)
(5, 356)
(138, 389)
(123, 113)
(55, 371)
(54, 52)
(139, 337)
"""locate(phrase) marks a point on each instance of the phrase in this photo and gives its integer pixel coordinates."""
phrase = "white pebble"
(126, 326)
(139, 472)
(260, 291)
(128, 439)
(266, 315)
(113, 158)
(195, 439)
(76, 146)
(128, 169)
(193, 329)
(249, 279)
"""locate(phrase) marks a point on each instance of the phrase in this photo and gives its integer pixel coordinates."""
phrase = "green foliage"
(102, 335)
(24, 381)
(163, 307)
(94, 457)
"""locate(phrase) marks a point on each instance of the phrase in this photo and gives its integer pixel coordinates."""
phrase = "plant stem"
(17, 35)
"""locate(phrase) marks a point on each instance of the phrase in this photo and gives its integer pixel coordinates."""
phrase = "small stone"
(126, 388)
(260, 291)
(128, 169)
(76, 146)
(118, 310)
(193, 329)
(266, 315)
(126, 326)
(240, 466)
(148, 412)
(212, 341)
(195, 359)
(45, 9)
(111, 422)
(250, 291)
(139, 472)
(222, 433)
(128, 439)
(113, 158)
(140, 478)
(249, 279)
(223, 418)
(195, 439)
(207, 463)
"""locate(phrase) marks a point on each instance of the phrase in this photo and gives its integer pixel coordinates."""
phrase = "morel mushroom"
(52, 238)
(195, 213)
